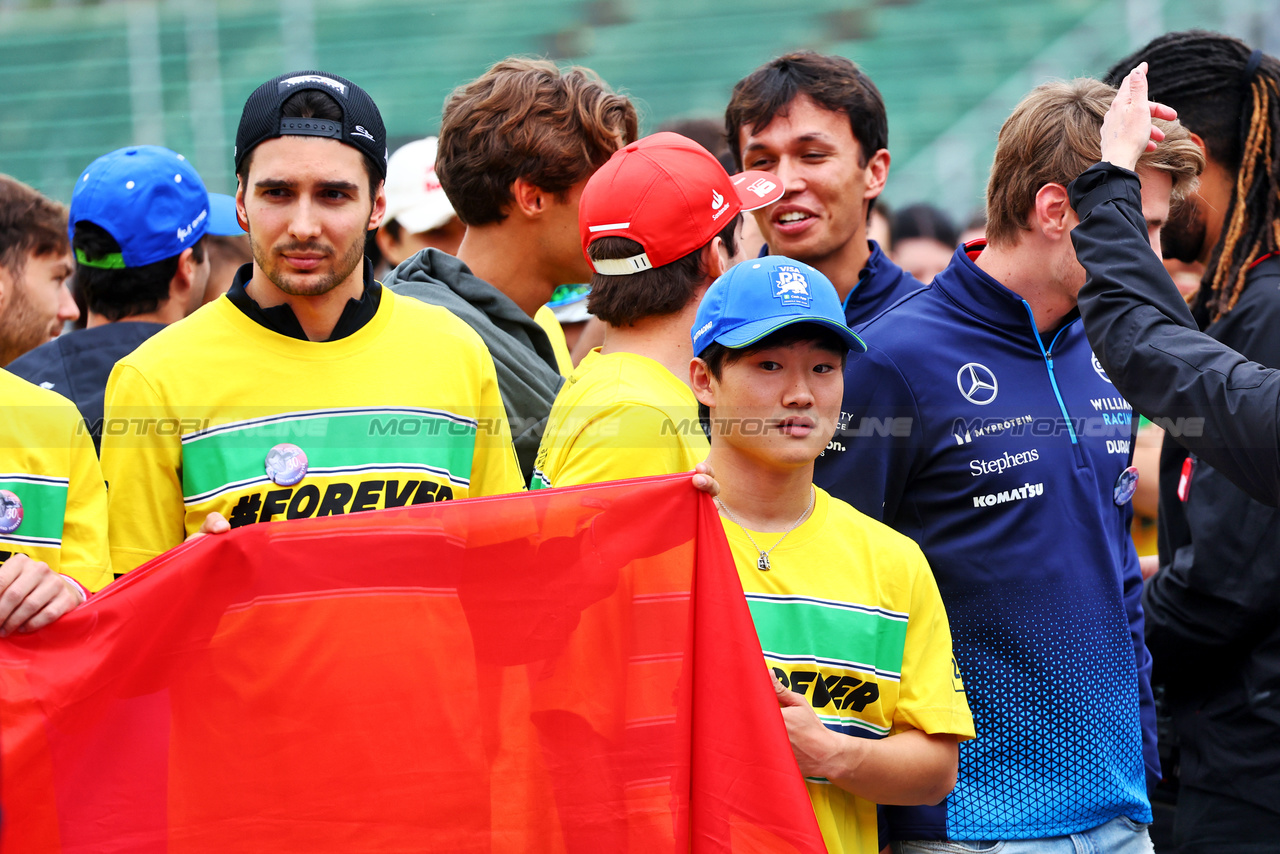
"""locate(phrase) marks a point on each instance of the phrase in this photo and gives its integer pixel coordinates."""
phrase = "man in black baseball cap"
(273, 111)
(287, 116)
(302, 412)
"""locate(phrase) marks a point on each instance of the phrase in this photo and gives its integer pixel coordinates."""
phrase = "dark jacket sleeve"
(1208, 397)
(1216, 595)
(1219, 585)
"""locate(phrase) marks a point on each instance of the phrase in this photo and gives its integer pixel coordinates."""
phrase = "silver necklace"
(763, 563)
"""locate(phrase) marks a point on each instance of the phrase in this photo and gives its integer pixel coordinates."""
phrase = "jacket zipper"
(1047, 355)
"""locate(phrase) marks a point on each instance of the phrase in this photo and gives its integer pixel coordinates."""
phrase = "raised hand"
(1127, 130)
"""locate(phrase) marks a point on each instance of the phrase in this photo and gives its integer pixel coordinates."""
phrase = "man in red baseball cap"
(658, 223)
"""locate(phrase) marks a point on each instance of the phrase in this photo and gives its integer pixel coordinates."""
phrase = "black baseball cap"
(361, 125)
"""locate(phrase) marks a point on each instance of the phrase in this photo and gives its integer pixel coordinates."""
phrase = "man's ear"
(379, 207)
(1053, 215)
(527, 199)
(241, 216)
(702, 383)
(184, 278)
(6, 285)
(877, 173)
(715, 259)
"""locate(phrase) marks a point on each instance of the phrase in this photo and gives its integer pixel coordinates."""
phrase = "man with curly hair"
(517, 146)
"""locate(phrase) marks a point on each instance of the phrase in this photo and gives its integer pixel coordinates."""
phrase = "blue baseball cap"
(222, 216)
(148, 198)
(758, 297)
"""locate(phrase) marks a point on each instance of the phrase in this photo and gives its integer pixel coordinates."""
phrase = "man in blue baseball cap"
(139, 216)
(847, 612)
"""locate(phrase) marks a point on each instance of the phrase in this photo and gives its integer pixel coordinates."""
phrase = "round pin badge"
(10, 512)
(1126, 486)
(286, 464)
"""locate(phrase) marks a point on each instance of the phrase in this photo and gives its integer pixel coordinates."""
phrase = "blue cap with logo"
(148, 198)
(758, 297)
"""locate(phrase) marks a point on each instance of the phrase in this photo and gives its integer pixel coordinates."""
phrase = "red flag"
(570, 670)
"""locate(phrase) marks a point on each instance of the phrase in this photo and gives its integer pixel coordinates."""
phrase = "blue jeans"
(1118, 836)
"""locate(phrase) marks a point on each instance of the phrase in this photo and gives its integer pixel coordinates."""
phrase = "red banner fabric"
(571, 670)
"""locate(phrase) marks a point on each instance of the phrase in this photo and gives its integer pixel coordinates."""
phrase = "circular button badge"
(1126, 486)
(10, 512)
(286, 464)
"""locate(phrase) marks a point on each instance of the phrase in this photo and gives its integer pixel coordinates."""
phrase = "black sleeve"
(1219, 582)
(1217, 593)
(1208, 397)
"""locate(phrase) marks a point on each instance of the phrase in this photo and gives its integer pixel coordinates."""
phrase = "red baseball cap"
(668, 194)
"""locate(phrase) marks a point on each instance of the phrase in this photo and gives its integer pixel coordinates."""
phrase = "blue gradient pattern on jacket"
(998, 450)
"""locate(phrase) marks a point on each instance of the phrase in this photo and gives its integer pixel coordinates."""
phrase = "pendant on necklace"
(763, 563)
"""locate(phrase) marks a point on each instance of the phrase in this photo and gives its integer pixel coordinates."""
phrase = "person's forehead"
(801, 119)
(306, 158)
(51, 260)
(1157, 189)
(803, 346)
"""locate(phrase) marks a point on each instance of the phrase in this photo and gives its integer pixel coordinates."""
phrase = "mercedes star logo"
(977, 383)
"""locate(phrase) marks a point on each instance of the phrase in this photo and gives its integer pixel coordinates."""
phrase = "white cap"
(415, 198)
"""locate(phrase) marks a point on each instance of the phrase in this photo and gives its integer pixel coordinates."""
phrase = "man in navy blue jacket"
(980, 424)
(818, 123)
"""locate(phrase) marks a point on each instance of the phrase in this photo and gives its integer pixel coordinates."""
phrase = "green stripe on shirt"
(806, 628)
(230, 454)
(44, 509)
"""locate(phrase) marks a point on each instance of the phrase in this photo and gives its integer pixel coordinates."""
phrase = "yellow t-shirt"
(849, 615)
(618, 416)
(50, 471)
(546, 318)
(217, 413)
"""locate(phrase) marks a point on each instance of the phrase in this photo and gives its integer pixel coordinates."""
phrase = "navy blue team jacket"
(880, 284)
(999, 451)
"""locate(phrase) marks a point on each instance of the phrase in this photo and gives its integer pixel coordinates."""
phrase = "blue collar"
(976, 293)
(871, 278)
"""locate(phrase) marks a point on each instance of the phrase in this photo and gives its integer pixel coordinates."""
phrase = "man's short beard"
(342, 268)
(20, 328)
(1182, 238)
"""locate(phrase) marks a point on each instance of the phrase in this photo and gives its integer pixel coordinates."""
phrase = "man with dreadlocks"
(1211, 611)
